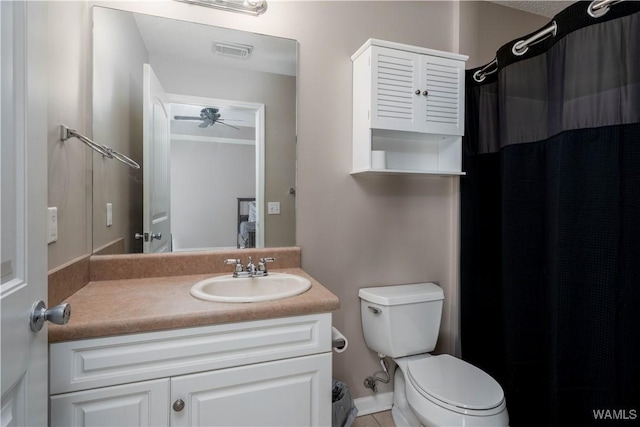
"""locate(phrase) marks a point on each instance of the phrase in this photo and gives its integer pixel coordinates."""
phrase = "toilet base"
(401, 413)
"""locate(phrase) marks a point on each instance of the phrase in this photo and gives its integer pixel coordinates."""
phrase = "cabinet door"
(394, 80)
(290, 392)
(138, 404)
(443, 79)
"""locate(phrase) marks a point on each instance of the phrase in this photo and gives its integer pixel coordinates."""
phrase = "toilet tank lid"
(402, 294)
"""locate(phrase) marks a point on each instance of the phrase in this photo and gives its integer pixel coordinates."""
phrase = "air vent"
(232, 49)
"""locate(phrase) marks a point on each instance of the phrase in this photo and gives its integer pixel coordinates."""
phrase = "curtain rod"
(596, 9)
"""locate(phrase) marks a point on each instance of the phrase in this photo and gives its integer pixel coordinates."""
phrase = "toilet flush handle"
(375, 310)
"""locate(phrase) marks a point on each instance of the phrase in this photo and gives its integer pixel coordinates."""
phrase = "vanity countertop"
(115, 307)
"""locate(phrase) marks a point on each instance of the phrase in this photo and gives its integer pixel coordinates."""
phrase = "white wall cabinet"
(273, 372)
(408, 102)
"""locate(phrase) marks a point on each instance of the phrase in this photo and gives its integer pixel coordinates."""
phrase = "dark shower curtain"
(550, 259)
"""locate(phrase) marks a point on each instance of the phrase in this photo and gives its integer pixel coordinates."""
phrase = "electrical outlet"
(109, 214)
(273, 208)
(53, 225)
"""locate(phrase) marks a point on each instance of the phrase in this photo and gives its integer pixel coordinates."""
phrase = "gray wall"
(485, 27)
(117, 122)
(354, 232)
(69, 98)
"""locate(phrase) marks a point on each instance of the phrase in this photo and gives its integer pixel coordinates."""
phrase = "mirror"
(210, 115)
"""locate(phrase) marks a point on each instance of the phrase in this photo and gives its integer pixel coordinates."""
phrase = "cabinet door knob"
(425, 93)
(178, 405)
(417, 91)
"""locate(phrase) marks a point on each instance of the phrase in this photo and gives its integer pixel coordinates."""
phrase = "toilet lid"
(455, 382)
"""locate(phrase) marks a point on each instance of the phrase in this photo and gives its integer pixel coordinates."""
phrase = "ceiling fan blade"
(186, 118)
(204, 124)
(223, 123)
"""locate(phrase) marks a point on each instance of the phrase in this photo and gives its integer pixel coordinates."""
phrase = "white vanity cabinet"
(274, 372)
(408, 102)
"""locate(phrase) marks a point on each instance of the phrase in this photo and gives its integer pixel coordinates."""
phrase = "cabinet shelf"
(407, 172)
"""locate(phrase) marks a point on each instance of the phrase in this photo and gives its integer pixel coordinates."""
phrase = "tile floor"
(379, 419)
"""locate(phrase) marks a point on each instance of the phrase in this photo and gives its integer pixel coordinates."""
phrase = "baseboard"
(375, 403)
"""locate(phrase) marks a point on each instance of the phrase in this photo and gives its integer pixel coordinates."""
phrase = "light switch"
(273, 208)
(109, 214)
(53, 225)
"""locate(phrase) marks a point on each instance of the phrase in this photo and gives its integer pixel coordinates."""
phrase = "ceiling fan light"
(232, 49)
(250, 7)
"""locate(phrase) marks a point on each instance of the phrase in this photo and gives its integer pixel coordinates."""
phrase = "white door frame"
(260, 147)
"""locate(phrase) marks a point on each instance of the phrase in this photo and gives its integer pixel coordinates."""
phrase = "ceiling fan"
(209, 116)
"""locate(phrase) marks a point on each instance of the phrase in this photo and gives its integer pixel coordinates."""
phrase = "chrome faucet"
(252, 270)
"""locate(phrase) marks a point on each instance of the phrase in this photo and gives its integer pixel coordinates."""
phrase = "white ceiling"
(539, 7)
(194, 42)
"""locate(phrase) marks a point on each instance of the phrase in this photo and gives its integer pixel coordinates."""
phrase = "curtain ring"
(482, 73)
(598, 8)
(479, 76)
(521, 47)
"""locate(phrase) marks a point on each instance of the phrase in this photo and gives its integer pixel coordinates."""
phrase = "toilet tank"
(401, 320)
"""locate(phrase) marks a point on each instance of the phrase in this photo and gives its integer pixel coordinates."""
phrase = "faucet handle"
(262, 265)
(237, 262)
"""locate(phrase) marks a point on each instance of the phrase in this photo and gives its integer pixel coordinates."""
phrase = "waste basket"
(343, 409)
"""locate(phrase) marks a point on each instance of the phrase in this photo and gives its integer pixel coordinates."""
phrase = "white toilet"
(403, 322)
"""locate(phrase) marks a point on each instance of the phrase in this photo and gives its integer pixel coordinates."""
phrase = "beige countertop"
(115, 307)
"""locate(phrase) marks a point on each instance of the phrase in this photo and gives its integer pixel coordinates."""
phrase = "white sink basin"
(250, 289)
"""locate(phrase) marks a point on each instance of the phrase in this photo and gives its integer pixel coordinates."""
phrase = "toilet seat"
(456, 385)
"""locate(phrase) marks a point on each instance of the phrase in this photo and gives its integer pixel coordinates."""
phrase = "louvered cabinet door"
(395, 76)
(443, 81)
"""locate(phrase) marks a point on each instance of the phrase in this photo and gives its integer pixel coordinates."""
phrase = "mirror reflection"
(209, 145)
(209, 113)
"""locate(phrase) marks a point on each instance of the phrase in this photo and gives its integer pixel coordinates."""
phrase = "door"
(443, 80)
(289, 392)
(140, 404)
(395, 80)
(156, 184)
(23, 249)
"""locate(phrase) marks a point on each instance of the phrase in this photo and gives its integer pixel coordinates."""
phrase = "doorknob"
(148, 237)
(59, 315)
(178, 405)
